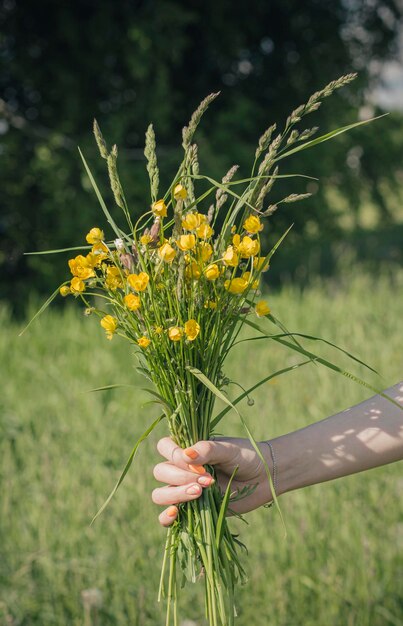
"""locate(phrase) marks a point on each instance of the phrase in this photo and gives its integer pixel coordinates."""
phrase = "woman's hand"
(186, 477)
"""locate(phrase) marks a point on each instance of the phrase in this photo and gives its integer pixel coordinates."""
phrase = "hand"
(186, 477)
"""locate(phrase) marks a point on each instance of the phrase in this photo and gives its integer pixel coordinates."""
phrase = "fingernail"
(191, 453)
(206, 480)
(193, 490)
(197, 469)
(172, 511)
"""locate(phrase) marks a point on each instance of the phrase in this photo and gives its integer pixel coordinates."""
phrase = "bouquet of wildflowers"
(179, 284)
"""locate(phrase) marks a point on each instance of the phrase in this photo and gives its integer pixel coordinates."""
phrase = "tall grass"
(62, 449)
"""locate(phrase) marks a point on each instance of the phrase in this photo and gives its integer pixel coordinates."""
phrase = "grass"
(61, 450)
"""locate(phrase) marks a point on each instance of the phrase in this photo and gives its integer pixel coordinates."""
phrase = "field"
(61, 449)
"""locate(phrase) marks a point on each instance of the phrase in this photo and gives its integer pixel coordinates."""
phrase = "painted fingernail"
(191, 453)
(193, 490)
(206, 480)
(172, 511)
(197, 469)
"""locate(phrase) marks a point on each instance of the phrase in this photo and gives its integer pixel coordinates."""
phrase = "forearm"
(365, 436)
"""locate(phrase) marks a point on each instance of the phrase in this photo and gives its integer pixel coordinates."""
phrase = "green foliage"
(61, 451)
(129, 63)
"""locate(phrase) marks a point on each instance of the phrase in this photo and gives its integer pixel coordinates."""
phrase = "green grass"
(61, 450)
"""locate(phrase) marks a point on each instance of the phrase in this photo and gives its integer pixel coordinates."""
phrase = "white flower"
(119, 245)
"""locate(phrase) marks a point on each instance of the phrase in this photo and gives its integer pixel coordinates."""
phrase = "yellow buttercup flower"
(158, 330)
(212, 272)
(192, 329)
(132, 302)
(204, 231)
(248, 247)
(166, 252)
(64, 291)
(210, 304)
(262, 308)
(96, 235)
(145, 239)
(206, 250)
(159, 208)
(252, 224)
(138, 282)
(113, 278)
(247, 276)
(230, 257)
(236, 285)
(180, 192)
(175, 333)
(193, 271)
(261, 264)
(80, 267)
(109, 324)
(186, 242)
(191, 221)
(93, 260)
(144, 342)
(100, 250)
(77, 285)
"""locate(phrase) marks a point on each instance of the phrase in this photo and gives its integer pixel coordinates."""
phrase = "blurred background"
(339, 274)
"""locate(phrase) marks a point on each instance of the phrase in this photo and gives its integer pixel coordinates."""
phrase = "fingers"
(175, 476)
(201, 453)
(167, 517)
(173, 495)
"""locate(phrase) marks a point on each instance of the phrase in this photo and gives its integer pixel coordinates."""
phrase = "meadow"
(62, 448)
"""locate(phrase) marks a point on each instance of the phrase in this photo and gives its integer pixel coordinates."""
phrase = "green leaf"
(243, 395)
(207, 382)
(42, 309)
(57, 251)
(128, 464)
(107, 387)
(223, 509)
(117, 230)
(327, 136)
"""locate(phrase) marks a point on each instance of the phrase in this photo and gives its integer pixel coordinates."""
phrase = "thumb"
(210, 452)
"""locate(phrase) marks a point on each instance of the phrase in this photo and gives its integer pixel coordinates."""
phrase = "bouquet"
(180, 283)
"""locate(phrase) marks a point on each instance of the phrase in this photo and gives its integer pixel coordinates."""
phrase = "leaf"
(107, 387)
(42, 309)
(117, 230)
(223, 509)
(207, 382)
(57, 251)
(243, 395)
(128, 464)
(327, 136)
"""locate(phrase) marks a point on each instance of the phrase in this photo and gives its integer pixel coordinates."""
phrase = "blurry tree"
(130, 62)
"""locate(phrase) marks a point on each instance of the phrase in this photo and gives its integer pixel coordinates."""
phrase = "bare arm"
(362, 437)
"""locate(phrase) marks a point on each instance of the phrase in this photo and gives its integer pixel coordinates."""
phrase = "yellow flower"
(191, 221)
(96, 235)
(212, 272)
(262, 308)
(93, 260)
(247, 276)
(166, 252)
(204, 231)
(80, 267)
(113, 278)
(180, 192)
(186, 242)
(252, 224)
(158, 330)
(236, 285)
(175, 333)
(145, 239)
(261, 264)
(109, 324)
(248, 247)
(77, 285)
(144, 342)
(210, 304)
(132, 302)
(205, 250)
(231, 257)
(159, 208)
(192, 329)
(64, 291)
(193, 271)
(138, 282)
(100, 250)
